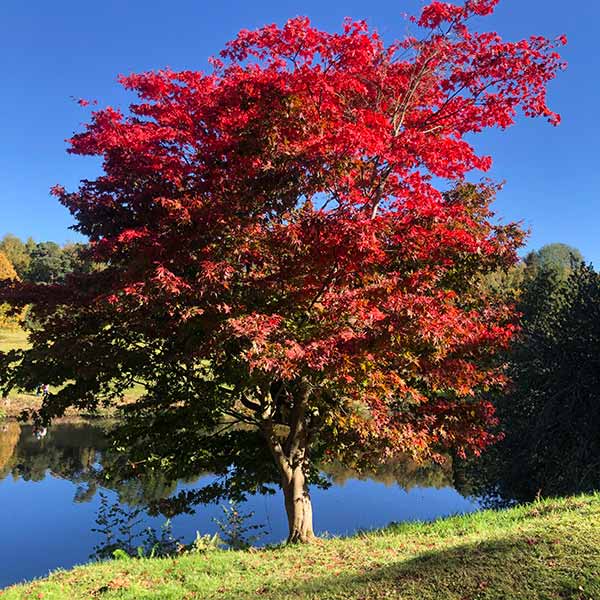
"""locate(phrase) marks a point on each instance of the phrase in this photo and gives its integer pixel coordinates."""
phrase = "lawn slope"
(549, 549)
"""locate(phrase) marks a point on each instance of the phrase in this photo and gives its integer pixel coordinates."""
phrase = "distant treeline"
(43, 262)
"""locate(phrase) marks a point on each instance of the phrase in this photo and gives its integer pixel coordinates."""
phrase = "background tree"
(560, 258)
(281, 272)
(49, 263)
(76, 257)
(17, 253)
(550, 415)
(46, 262)
(7, 273)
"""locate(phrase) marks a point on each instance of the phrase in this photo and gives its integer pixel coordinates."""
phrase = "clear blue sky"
(51, 51)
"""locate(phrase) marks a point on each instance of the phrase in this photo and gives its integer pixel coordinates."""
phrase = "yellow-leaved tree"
(7, 271)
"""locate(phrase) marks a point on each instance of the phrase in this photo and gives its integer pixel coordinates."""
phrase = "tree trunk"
(298, 507)
(292, 458)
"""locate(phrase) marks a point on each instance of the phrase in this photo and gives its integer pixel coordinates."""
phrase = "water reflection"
(49, 498)
(80, 453)
(10, 433)
(68, 451)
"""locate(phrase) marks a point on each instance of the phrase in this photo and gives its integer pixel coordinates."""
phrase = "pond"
(50, 497)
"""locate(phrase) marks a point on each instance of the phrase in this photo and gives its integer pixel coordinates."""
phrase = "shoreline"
(11, 408)
(546, 549)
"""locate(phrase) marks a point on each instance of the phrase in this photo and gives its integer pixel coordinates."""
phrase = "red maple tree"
(278, 252)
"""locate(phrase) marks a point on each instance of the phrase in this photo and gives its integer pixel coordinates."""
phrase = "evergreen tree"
(551, 414)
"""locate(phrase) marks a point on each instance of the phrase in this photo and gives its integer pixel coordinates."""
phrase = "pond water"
(49, 499)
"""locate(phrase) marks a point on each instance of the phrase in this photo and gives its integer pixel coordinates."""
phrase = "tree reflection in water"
(81, 452)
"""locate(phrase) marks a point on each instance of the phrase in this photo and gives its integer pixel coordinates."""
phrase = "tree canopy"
(282, 273)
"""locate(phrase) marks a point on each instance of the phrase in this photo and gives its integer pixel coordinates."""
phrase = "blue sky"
(52, 51)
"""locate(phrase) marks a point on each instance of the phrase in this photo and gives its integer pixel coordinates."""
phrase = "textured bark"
(292, 459)
(298, 507)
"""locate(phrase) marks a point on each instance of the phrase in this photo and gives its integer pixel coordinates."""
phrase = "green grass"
(12, 340)
(17, 401)
(546, 550)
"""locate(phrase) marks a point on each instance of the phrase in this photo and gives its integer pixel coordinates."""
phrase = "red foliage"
(284, 204)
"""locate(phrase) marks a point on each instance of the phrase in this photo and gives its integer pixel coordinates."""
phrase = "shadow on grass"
(509, 569)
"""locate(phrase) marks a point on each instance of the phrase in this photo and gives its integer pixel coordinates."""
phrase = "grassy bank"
(549, 549)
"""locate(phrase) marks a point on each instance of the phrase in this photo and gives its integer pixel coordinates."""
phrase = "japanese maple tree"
(279, 254)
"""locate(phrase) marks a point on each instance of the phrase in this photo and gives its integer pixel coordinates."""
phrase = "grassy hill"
(546, 550)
